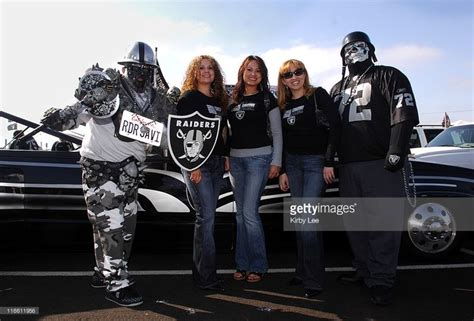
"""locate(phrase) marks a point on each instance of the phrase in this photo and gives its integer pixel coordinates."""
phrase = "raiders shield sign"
(191, 139)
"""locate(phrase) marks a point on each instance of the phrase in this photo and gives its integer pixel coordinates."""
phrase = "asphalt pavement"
(57, 284)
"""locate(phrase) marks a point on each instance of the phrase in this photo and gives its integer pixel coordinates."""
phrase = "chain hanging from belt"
(406, 182)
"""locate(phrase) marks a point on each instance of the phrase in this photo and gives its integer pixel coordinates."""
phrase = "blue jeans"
(249, 176)
(204, 197)
(305, 175)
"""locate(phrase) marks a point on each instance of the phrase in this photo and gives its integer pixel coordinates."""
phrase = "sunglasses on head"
(290, 74)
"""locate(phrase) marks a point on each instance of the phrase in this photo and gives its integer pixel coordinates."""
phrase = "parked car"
(41, 195)
(454, 146)
(423, 134)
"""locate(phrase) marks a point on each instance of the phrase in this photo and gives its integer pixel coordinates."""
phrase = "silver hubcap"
(431, 228)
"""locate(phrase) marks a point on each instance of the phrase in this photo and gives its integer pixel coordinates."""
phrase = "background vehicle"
(442, 216)
(454, 146)
(423, 134)
(41, 195)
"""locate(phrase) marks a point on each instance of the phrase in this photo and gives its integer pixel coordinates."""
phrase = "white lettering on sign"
(195, 123)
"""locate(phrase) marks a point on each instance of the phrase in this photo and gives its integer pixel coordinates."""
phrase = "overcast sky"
(46, 46)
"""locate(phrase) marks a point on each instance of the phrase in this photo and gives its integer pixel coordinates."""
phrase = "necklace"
(144, 129)
(353, 93)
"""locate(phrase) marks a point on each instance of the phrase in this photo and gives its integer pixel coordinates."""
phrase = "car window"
(455, 136)
(432, 133)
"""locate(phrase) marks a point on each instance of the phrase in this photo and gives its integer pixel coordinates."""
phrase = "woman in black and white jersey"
(203, 91)
(255, 156)
(310, 131)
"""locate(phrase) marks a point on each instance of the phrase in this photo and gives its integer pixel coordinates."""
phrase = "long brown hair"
(217, 86)
(284, 94)
(238, 92)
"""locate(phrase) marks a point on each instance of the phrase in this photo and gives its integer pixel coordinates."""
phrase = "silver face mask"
(356, 52)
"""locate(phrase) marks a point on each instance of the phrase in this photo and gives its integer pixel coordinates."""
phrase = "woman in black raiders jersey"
(253, 159)
(309, 148)
(203, 91)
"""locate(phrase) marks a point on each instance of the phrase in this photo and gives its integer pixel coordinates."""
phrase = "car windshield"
(457, 136)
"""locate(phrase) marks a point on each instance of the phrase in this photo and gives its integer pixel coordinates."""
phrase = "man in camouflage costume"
(111, 164)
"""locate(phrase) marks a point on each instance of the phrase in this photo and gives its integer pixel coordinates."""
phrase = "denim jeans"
(249, 176)
(204, 197)
(305, 175)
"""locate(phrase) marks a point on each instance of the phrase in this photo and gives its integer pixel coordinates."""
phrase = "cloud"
(408, 55)
(323, 64)
(458, 82)
(46, 46)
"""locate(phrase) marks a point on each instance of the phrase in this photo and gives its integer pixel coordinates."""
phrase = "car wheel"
(432, 230)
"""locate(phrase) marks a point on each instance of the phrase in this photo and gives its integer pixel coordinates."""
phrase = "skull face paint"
(356, 52)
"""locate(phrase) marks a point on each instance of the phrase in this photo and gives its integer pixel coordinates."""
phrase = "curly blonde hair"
(217, 86)
(284, 94)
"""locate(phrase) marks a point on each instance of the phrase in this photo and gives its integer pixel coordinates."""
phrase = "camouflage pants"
(110, 191)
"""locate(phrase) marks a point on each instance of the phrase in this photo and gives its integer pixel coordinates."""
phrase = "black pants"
(375, 250)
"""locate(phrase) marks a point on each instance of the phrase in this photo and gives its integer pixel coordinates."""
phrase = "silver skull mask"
(356, 52)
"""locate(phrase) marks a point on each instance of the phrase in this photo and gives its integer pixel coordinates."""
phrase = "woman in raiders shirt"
(253, 159)
(203, 91)
(309, 147)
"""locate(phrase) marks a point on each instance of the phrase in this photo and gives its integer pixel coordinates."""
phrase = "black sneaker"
(381, 295)
(98, 280)
(126, 297)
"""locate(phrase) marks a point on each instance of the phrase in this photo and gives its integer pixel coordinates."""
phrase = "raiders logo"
(240, 114)
(291, 120)
(191, 139)
(393, 159)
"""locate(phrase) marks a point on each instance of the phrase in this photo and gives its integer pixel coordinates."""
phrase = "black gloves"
(52, 118)
(399, 139)
(173, 95)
